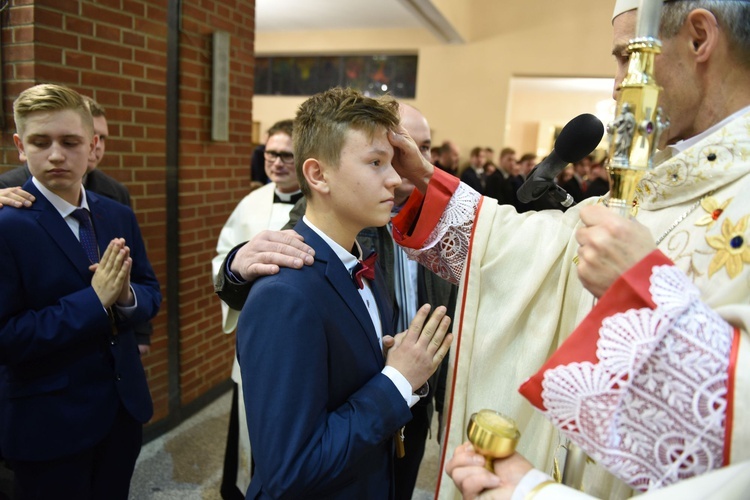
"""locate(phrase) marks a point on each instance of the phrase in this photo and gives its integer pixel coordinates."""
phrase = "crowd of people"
(370, 282)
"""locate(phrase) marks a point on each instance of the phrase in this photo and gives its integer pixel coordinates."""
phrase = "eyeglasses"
(285, 156)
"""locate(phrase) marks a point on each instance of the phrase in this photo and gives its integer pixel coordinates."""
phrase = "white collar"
(684, 145)
(343, 254)
(62, 206)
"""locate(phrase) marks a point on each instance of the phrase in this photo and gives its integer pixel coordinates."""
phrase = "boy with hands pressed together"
(323, 398)
(73, 392)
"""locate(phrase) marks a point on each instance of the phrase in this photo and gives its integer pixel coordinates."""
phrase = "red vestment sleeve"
(421, 214)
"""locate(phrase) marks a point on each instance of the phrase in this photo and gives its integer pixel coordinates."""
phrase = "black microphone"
(577, 139)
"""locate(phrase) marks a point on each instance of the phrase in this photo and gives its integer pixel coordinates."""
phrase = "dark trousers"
(101, 472)
(415, 435)
(228, 489)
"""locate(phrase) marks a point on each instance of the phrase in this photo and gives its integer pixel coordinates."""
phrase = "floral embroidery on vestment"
(713, 211)
(732, 249)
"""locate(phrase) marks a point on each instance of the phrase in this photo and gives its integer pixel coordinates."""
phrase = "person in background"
(598, 183)
(502, 185)
(264, 208)
(434, 154)
(473, 174)
(449, 157)
(576, 185)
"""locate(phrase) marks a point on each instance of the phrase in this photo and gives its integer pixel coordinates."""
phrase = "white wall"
(463, 89)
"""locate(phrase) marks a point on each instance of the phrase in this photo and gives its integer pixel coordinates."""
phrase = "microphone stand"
(561, 196)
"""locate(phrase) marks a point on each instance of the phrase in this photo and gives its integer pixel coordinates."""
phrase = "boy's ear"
(314, 173)
(92, 151)
(19, 145)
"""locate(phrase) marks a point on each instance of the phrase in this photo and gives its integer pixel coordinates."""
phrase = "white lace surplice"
(652, 408)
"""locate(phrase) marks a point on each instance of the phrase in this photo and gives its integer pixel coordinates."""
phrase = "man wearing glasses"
(267, 207)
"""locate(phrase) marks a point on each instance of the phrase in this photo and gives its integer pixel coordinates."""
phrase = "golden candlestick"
(493, 435)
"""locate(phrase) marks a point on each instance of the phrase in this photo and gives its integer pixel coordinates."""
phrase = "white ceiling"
(314, 15)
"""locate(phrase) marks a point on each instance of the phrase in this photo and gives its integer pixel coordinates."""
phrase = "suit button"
(113, 341)
(118, 377)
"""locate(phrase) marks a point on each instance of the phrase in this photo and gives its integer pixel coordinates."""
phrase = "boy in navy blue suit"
(75, 281)
(323, 401)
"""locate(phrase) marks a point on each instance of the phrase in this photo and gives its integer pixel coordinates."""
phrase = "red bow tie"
(364, 269)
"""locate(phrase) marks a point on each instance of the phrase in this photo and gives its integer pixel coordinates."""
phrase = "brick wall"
(116, 52)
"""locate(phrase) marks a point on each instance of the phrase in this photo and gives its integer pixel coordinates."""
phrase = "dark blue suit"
(321, 415)
(65, 375)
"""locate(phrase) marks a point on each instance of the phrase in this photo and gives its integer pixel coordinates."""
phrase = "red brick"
(106, 65)
(78, 60)
(109, 33)
(157, 13)
(110, 100)
(49, 54)
(148, 27)
(148, 57)
(157, 45)
(135, 8)
(133, 39)
(120, 114)
(133, 70)
(112, 4)
(110, 16)
(153, 88)
(55, 37)
(156, 74)
(21, 52)
(133, 131)
(65, 7)
(24, 71)
(111, 82)
(79, 26)
(132, 100)
(58, 74)
(21, 15)
(109, 49)
(150, 147)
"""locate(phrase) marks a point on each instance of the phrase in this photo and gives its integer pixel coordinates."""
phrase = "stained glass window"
(306, 75)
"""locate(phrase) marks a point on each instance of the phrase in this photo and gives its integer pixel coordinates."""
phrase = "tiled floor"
(186, 462)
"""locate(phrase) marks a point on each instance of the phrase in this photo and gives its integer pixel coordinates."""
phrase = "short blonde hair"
(323, 120)
(50, 97)
(95, 108)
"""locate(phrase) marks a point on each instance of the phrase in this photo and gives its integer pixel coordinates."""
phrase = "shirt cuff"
(233, 277)
(127, 311)
(403, 385)
(528, 482)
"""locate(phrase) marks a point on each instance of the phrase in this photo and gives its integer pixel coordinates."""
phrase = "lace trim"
(652, 409)
(446, 249)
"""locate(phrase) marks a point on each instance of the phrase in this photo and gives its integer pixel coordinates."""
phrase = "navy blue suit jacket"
(64, 373)
(321, 415)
